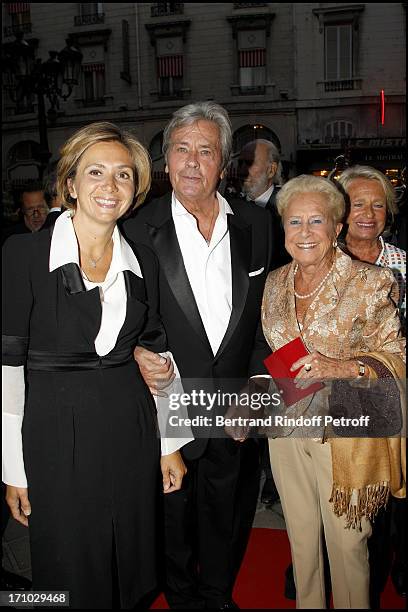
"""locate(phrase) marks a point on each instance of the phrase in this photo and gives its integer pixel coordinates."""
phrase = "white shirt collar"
(264, 197)
(178, 208)
(64, 248)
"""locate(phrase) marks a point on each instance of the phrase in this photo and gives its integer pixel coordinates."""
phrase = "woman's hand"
(157, 371)
(316, 367)
(173, 471)
(17, 499)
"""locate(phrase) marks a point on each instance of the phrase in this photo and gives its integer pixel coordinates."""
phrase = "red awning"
(252, 58)
(170, 66)
(18, 7)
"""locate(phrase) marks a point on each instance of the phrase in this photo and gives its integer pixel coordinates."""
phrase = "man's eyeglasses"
(32, 211)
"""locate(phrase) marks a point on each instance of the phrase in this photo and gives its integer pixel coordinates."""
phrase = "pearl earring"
(335, 243)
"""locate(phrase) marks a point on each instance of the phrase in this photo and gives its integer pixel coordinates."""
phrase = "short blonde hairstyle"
(102, 131)
(306, 183)
(367, 172)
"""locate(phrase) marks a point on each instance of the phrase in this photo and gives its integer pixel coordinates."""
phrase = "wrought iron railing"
(15, 29)
(341, 85)
(242, 5)
(167, 8)
(93, 19)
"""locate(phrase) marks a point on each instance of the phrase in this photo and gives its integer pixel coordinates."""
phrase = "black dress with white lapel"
(90, 440)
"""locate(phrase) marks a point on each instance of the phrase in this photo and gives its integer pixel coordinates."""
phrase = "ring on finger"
(308, 367)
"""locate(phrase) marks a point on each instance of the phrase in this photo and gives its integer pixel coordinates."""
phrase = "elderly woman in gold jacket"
(343, 312)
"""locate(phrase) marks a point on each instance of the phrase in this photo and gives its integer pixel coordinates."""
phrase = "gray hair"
(307, 183)
(273, 156)
(202, 111)
(367, 172)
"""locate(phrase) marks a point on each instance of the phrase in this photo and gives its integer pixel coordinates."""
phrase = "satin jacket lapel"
(86, 304)
(240, 245)
(164, 239)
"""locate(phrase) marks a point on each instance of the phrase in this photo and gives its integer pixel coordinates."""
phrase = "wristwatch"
(361, 369)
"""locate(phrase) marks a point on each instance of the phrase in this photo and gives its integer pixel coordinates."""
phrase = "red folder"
(278, 365)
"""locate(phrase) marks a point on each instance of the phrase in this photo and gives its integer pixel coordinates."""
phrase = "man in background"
(260, 173)
(33, 211)
(54, 205)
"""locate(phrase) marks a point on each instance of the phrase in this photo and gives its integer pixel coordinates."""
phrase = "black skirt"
(91, 453)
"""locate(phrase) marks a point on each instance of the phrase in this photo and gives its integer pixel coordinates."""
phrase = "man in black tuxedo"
(260, 173)
(213, 260)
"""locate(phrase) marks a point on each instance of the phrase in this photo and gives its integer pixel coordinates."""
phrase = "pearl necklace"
(319, 286)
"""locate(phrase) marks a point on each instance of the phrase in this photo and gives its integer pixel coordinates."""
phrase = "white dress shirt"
(263, 199)
(64, 249)
(208, 268)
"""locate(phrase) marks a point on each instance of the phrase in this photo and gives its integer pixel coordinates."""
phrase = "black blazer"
(51, 218)
(243, 347)
(279, 256)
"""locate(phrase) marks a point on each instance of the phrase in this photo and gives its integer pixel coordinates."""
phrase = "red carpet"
(261, 579)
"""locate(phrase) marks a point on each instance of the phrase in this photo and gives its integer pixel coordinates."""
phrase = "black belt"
(60, 362)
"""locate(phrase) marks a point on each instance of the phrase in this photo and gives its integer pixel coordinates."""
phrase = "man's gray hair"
(273, 156)
(202, 111)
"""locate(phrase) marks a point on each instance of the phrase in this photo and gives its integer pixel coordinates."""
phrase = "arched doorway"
(246, 133)
(240, 138)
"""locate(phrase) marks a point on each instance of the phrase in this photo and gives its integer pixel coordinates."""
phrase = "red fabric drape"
(252, 58)
(18, 7)
(170, 66)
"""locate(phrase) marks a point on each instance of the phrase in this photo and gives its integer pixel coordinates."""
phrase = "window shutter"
(331, 53)
(345, 51)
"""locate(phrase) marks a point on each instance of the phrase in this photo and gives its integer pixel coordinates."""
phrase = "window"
(125, 74)
(168, 40)
(340, 27)
(252, 70)
(94, 84)
(90, 8)
(338, 52)
(252, 61)
(170, 74)
(337, 131)
(19, 18)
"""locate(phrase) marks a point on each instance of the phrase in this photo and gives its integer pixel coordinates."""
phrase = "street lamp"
(55, 78)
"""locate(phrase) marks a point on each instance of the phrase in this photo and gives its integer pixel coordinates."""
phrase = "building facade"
(308, 76)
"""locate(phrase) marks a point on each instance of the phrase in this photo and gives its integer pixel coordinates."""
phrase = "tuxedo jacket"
(51, 218)
(243, 347)
(280, 256)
